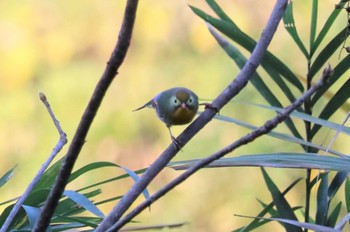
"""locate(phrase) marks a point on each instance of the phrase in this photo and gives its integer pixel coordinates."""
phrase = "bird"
(175, 106)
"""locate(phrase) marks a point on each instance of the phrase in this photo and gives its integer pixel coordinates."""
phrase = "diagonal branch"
(78, 141)
(58, 147)
(232, 90)
(264, 129)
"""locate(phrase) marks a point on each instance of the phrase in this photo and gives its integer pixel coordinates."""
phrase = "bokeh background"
(61, 48)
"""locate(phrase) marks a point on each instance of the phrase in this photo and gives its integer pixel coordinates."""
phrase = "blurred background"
(61, 48)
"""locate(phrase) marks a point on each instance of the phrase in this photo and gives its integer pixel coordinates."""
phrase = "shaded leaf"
(248, 43)
(336, 183)
(322, 201)
(328, 24)
(267, 209)
(326, 53)
(256, 80)
(282, 205)
(333, 105)
(338, 72)
(333, 216)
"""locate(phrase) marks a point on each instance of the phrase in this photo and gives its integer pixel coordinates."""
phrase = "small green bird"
(176, 106)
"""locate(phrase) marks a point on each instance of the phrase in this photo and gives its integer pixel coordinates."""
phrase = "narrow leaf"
(282, 205)
(256, 80)
(83, 202)
(326, 53)
(136, 178)
(308, 118)
(267, 209)
(289, 24)
(278, 135)
(277, 160)
(7, 176)
(333, 216)
(248, 43)
(331, 19)
(313, 22)
(322, 201)
(336, 183)
(338, 72)
(219, 12)
(347, 194)
(333, 105)
(33, 214)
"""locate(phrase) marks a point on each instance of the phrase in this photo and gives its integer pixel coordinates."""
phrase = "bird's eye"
(190, 100)
(175, 101)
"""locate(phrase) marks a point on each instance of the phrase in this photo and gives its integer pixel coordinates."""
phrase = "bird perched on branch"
(176, 106)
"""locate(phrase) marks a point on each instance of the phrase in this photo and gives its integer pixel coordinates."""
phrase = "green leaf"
(267, 209)
(282, 205)
(338, 72)
(333, 216)
(256, 80)
(326, 53)
(289, 24)
(248, 43)
(98, 165)
(313, 22)
(322, 201)
(276, 160)
(83, 202)
(335, 185)
(331, 19)
(347, 194)
(219, 12)
(90, 167)
(7, 176)
(49, 176)
(333, 105)
(111, 180)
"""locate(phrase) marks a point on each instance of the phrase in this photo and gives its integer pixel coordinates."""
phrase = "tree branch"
(232, 90)
(61, 142)
(264, 129)
(78, 141)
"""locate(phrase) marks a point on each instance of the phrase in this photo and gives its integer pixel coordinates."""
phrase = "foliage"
(70, 212)
(74, 205)
(316, 57)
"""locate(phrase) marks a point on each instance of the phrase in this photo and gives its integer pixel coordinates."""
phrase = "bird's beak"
(183, 105)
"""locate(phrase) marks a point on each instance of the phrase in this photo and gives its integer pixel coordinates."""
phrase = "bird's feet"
(176, 143)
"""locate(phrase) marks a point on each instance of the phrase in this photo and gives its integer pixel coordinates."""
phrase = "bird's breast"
(182, 115)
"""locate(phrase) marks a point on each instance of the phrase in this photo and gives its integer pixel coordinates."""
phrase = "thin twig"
(264, 129)
(61, 142)
(232, 90)
(115, 61)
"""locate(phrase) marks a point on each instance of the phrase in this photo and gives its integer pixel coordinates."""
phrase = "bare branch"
(264, 129)
(61, 142)
(232, 90)
(78, 141)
